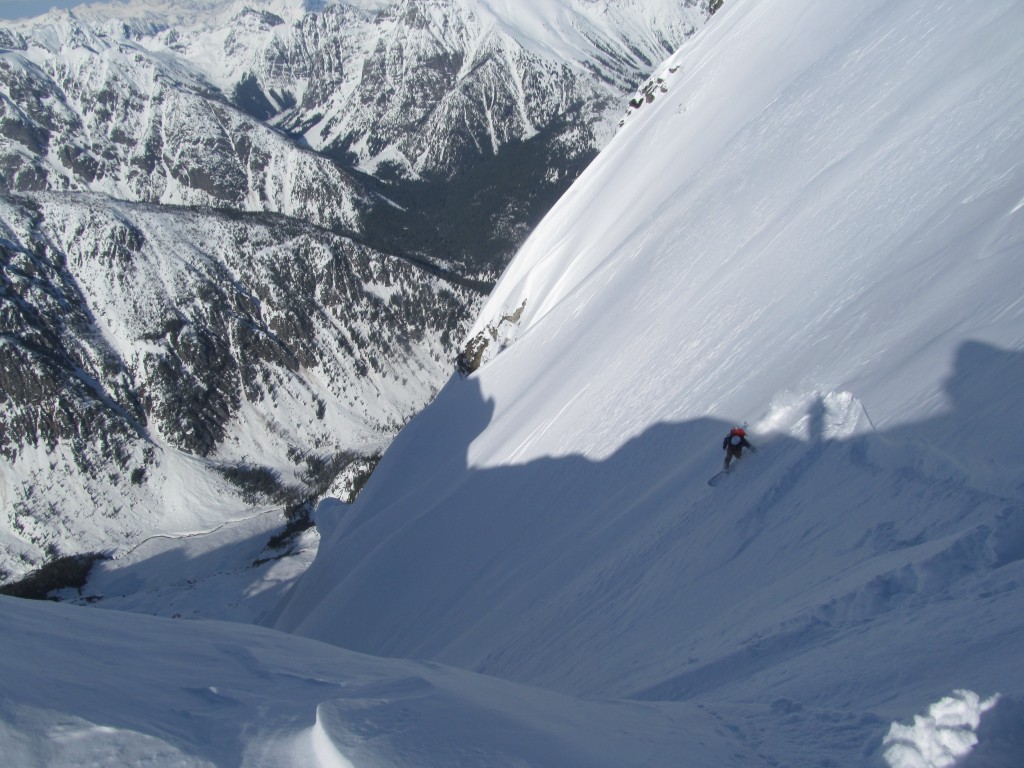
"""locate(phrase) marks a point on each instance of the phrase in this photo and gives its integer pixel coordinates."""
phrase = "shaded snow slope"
(83, 687)
(815, 225)
(237, 572)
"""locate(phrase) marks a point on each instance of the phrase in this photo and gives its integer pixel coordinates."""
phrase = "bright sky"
(23, 9)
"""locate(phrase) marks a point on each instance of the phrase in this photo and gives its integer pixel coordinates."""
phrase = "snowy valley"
(811, 221)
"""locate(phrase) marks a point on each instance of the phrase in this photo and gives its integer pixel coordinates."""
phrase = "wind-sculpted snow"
(131, 690)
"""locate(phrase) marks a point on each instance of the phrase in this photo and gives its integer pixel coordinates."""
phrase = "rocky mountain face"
(237, 254)
(167, 368)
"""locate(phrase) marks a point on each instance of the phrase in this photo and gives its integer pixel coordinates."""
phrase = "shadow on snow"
(629, 577)
(882, 569)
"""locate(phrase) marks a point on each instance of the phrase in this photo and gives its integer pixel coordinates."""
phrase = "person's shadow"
(816, 420)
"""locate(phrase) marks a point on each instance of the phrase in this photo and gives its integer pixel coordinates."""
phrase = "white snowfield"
(816, 226)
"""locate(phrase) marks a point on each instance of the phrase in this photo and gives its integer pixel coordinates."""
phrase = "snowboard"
(716, 479)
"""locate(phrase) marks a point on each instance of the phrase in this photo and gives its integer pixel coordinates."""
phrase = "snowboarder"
(734, 444)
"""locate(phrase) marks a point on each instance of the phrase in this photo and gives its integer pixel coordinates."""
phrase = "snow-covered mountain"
(812, 220)
(429, 87)
(123, 105)
(477, 114)
(210, 304)
(816, 225)
(166, 370)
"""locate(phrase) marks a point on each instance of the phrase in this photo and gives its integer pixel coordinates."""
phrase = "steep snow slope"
(815, 224)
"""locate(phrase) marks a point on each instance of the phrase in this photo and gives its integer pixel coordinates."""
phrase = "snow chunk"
(815, 416)
(940, 738)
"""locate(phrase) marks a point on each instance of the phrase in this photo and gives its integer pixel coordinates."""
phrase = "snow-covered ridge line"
(276, 61)
(133, 686)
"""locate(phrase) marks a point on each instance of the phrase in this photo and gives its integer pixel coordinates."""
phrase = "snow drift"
(90, 687)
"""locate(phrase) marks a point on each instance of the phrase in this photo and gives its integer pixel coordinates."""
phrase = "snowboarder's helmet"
(738, 431)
